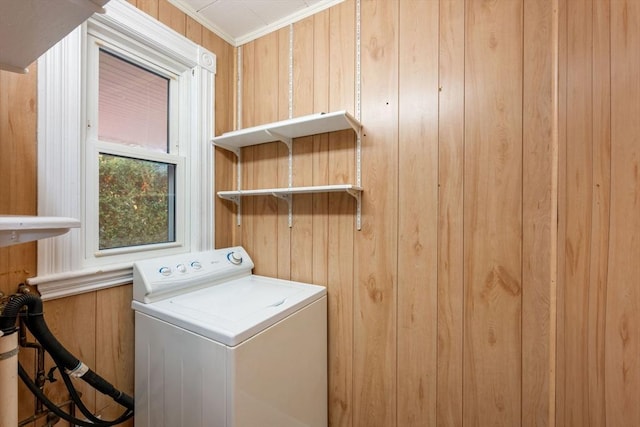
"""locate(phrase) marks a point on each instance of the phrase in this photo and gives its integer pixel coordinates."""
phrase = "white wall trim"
(60, 154)
(81, 281)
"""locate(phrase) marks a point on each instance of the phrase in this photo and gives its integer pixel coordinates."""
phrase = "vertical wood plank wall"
(485, 125)
(450, 213)
(539, 206)
(493, 214)
(417, 213)
(427, 301)
(598, 370)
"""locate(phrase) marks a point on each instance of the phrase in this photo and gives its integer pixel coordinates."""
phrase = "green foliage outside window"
(136, 207)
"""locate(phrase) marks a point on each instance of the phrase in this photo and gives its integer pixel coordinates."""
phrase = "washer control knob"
(196, 265)
(181, 268)
(235, 258)
(165, 271)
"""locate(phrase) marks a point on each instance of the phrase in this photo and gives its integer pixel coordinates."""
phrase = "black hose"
(75, 396)
(59, 412)
(10, 313)
(34, 321)
(73, 393)
(40, 330)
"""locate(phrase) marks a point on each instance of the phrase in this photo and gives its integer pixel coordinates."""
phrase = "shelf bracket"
(357, 128)
(284, 139)
(237, 200)
(289, 143)
(358, 196)
(288, 198)
(234, 150)
(234, 198)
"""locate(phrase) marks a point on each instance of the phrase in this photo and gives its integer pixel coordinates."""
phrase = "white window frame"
(67, 178)
(180, 82)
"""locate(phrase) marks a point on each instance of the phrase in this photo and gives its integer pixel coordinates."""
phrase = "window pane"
(132, 104)
(137, 202)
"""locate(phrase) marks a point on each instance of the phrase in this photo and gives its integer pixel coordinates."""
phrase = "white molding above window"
(63, 268)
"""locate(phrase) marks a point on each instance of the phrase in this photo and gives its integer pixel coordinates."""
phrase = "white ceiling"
(240, 21)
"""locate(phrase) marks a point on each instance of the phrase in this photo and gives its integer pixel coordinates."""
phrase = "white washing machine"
(218, 346)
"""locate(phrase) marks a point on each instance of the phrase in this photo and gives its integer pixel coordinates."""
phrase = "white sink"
(20, 229)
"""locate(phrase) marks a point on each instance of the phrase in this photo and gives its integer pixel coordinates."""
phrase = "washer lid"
(233, 311)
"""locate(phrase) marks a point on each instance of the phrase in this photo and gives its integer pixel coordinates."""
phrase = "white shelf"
(286, 193)
(286, 130)
(234, 194)
(20, 229)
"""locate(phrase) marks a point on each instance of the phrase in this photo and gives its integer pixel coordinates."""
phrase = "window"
(134, 160)
(136, 202)
(133, 103)
(125, 119)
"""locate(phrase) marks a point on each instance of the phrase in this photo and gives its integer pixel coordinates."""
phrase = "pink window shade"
(132, 105)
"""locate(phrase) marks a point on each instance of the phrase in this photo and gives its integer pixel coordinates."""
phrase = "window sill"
(62, 285)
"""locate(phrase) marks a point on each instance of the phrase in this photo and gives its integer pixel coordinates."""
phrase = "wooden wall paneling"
(193, 30)
(493, 213)
(248, 112)
(248, 204)
(284, 37)
(171, 16)
(601, 167)
(320, 211)
(340, 318)
(376, 246)
(283, 233)
(226, 233)
(578, 182)
(303, 103)
(17, 169)
(450, 213)
(72, 321)
(150, 7)
(623, 284)
(320, 145)
(418, 224)
(18, 141)
(224, 81)
(226, 229)
(539, 218)
(340, 219)
(342, 47)
(114, 346)
(303, 66)
(265, 157)
(247, 120)
(561, 323)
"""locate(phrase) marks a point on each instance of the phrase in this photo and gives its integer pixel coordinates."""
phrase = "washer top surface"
(232, 310)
